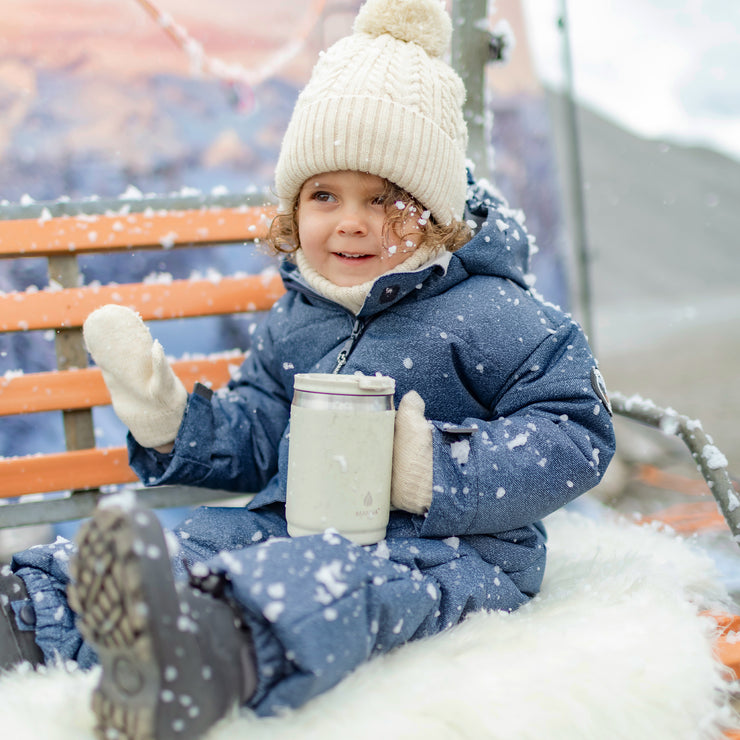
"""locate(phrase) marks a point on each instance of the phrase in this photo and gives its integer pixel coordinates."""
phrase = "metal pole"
(575, 186)
(471, 51)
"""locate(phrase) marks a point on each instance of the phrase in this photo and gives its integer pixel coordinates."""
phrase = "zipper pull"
(341, 362)
(357, 328)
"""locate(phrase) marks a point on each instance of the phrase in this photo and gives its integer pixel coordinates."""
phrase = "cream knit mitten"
(147, 396)
(411, 483)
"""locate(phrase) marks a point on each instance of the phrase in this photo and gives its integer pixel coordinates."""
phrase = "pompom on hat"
(383, 101)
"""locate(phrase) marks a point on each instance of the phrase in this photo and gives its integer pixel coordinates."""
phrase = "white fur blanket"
(613, 648)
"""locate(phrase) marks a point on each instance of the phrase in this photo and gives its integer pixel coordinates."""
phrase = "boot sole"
(122, 589)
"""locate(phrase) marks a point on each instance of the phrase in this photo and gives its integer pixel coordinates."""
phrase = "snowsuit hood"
(501, 247)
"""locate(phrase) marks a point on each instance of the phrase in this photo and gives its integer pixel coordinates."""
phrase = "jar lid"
(345, 385)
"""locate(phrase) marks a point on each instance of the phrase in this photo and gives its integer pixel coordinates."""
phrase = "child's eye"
(379, 200)
(323, 196)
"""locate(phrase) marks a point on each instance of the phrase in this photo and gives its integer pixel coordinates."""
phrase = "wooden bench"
(60, 233)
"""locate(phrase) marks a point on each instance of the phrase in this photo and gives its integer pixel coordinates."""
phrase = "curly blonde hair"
(401, 209)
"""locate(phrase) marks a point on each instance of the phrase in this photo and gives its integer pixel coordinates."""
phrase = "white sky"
(662, 68)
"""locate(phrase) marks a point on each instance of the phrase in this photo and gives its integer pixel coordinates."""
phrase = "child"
(501, 420)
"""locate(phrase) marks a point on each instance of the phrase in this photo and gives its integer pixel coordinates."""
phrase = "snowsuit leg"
(44, 570)
(319, 606)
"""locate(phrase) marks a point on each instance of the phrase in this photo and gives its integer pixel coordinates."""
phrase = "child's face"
(341, 216)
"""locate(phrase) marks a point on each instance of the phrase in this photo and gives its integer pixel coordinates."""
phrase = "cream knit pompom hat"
(383, 101)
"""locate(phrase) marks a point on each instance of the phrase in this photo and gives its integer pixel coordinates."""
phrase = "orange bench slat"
(48, 236)
(727, 650)
(64, 471)
(727, 643)
(51, 309)
(40, 237)
(83, 389)
(689, 518)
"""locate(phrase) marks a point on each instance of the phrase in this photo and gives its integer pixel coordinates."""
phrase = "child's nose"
(352, 222)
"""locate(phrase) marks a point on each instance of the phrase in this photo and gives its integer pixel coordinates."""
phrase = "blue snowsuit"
(520, 428)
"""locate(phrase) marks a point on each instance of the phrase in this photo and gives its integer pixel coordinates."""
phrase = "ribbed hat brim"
(375, 135)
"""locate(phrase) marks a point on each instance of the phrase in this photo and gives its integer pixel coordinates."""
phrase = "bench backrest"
(60, 233)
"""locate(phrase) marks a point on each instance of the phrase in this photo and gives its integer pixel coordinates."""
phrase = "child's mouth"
(344, 255)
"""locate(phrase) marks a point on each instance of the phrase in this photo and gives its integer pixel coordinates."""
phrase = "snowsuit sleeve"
(549, 438)
(228, 439)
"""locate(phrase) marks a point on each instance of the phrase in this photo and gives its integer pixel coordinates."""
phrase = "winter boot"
(16, 645)
(174, 660)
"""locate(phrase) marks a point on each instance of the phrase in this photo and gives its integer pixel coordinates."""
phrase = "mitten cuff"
(156, 427)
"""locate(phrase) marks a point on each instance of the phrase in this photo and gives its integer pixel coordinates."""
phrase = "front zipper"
(357, 328)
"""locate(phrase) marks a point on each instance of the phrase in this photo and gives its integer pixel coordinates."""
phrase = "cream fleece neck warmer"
(353, 297)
